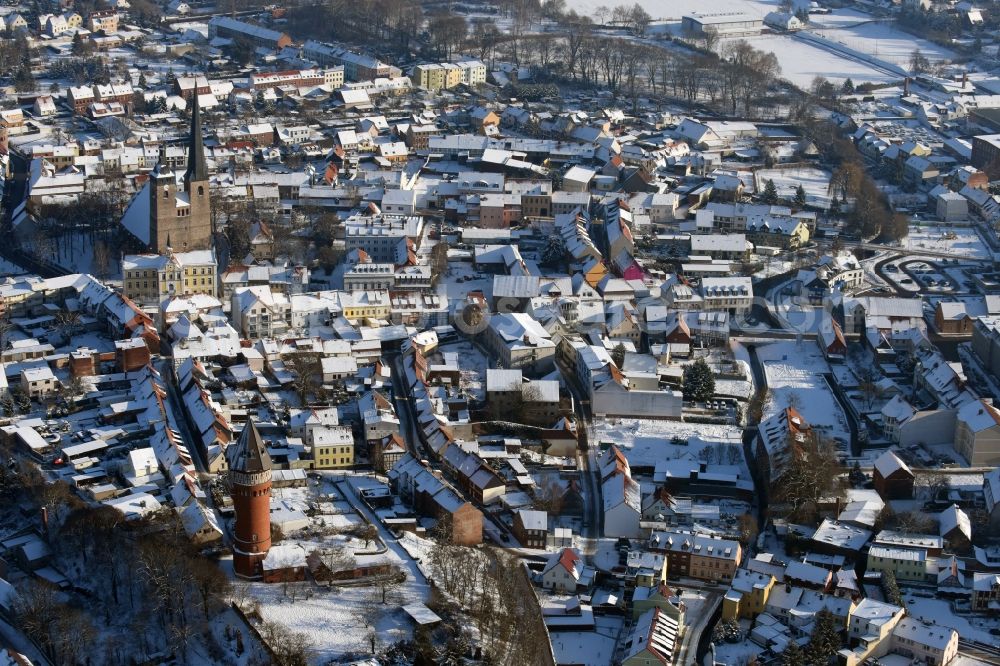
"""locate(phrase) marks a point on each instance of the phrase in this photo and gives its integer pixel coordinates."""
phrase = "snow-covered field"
(886, 42)
(795, 377)
(801, 62)
(675, 9)
(962, 241)
(334, 620)
(816, 183)
(645, 441)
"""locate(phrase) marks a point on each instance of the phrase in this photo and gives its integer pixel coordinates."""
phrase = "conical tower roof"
(197, 169)
(248, 454)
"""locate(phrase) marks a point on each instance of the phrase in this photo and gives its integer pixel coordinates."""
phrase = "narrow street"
(175, 416)
(404, 409)
(586, 457)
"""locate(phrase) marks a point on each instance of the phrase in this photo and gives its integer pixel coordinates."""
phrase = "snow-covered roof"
(954, 518)
(979, 415)
(889, 463)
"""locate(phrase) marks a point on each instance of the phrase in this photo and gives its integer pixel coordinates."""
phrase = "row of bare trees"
(740, 80)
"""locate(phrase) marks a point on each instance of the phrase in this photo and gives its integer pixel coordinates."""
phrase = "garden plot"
(340, 620)
(333, 620)
(816, 183)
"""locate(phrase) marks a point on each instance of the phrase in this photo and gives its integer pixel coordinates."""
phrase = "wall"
(931, 427)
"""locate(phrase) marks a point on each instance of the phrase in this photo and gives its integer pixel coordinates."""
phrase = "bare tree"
(550, 496)
(934, 484)
(308, 374)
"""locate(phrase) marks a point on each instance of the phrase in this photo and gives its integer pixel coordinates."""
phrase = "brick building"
(250, 486)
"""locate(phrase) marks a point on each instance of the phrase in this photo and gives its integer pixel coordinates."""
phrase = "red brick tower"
(250, 486)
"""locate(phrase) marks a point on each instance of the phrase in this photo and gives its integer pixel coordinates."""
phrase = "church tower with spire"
(250, 487)
(181, 218)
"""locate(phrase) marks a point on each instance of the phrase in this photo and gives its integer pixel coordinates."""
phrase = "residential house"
(747, 595)
(904, 563)
(565, 571)
(387, 452)
(332, 447)
(698, 556)
(986, 592)
(991, 493)
(519, 342)
(531, 528)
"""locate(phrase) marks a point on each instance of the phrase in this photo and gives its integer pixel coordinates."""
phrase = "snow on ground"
(333, 619)
(737, 654)
(588, 648)
(453, 289)
(94, 341)
(676, 9)
(606, 554)
(886, 42)
(940, 612)
(7, 269)
(474, 365)
(646, 441)
(959, 240)
(801, 62)
(838, 18)
(794, 373)
(816, 183)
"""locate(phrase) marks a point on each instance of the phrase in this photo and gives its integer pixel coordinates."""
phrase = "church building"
(175, 213)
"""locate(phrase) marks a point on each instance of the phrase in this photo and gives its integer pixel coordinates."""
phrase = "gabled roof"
(889, 463)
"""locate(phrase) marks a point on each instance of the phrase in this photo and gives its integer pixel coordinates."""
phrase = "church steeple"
(197, 170)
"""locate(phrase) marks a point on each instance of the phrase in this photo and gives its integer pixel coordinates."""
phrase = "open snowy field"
(675, 9)
(794, 373)
(802, 61)
(816, 183)
(962, 241)
(332, 619)
(885, 42)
